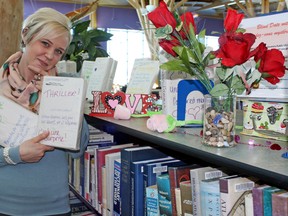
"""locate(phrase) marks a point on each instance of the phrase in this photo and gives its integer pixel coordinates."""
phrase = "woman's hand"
(32, 150)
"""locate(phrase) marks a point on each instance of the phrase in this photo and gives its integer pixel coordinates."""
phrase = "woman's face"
(46, 52)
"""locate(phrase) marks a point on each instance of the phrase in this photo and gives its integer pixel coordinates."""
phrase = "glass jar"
(219, 121)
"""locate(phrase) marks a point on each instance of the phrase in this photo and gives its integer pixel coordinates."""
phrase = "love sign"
(104, 103)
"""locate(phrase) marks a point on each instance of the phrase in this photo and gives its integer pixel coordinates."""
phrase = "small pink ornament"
(122, 112)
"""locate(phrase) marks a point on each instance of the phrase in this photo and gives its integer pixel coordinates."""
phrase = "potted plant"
(86, 43)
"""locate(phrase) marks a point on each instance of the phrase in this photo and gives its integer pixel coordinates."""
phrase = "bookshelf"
(260, 162)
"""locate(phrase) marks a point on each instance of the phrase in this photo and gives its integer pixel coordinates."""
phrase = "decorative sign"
(143, 76)
(104, 103)
(272, 30)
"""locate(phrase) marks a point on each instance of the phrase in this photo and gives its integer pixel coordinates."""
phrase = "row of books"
(134, 180)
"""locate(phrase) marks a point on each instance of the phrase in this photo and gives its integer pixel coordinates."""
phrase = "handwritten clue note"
(61, 111)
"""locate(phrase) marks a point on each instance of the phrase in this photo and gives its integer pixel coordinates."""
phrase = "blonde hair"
(45, 21)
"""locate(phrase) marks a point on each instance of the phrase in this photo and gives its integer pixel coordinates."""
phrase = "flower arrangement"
(238, 68)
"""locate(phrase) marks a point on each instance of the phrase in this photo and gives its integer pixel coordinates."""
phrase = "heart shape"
(110, 101)
(194, 111)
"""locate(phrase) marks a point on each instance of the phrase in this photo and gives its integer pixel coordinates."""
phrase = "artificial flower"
(235, 70)
(232, 21)
(161, 16)
(229, 42)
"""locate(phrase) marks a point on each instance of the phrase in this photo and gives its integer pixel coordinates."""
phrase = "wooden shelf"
(260, 162)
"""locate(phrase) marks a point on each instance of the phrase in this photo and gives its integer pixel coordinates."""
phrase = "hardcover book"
(186, 198)
(280, 204)
(249, 205)
(267, 200)
(137, 186)
(117, 188)
(128, 156)
(164, 195)
(197, 175)
(152, 170)
(178, 201)
(152, 207)
(100, 157)
(232, 193)
(177, 175)
(210, 197)
(257, 193)
(61, 111)
(109, 163)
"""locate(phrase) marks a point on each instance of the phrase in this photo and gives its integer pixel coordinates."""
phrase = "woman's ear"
(23, 34)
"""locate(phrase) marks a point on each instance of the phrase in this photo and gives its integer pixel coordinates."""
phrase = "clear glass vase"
(219, 121)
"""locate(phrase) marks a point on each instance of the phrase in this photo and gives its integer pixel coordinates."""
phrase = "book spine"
(280, 204)
(164, 195)
(137, 201)
(152, 207)
(117, 188)
(186, 198)
(267, 200)
(257, 193)
(210, 198)
(125, 183)
(195, 187)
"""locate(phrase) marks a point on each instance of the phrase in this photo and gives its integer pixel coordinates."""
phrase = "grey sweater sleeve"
(13, 154)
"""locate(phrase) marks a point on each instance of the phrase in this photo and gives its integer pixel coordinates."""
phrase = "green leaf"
(99, 35)
(81, 27)
(238, 85)
(163, 32)
(174, 65)
(220, 90)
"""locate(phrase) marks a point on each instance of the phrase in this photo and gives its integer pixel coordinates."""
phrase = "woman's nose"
(49, 54)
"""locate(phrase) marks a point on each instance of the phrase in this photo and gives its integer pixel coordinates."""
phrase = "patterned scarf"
(13, 85)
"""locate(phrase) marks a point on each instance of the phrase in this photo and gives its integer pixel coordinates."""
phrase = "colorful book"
(186, 198)
(249, 205)
(109, 163)
(257, 193)
(178, 201)
(152, 170)
(64, 122)
(117, 188)
(197, 175)
(137, 185)
(267, 200)
(152, 207)
(232, 193)
(210, 197)
(129, 155)
(100, 157)
(164, 195)
(177, 175)
(280, 204)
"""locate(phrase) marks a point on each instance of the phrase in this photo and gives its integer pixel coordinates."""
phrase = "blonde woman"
(34, 177)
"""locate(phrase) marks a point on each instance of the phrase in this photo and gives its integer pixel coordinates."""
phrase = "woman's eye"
(45, 43)
(60, 52)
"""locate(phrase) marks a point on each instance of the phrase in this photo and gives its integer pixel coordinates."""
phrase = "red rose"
(235, 48)
(259, 51)
(161, 16)
(272, 65)
(232, 20)
(187, 19)
(168, 45)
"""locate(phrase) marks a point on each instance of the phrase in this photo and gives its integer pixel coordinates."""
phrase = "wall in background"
(122, 18)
